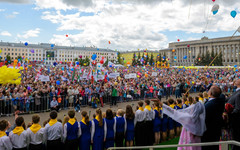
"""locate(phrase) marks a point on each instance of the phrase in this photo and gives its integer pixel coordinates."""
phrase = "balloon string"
(190, 9)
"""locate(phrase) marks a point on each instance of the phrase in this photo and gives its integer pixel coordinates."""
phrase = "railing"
(224, 145)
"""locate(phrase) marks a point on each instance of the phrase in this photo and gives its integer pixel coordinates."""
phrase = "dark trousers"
(148, 133)
(19, 148)
(71, 144)
(119, 139)
(35, 147)
(114, 100)
(210, 137)
(55, 145)
(235, 129)
(57, 108)
(139, 137)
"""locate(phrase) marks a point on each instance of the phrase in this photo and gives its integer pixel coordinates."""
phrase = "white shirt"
(5, 143)
(210, 99)
(65, 131)
(237, 89)
(139, 116)
(148, 115)
(36, 138)
(53, 132)
(20, 141)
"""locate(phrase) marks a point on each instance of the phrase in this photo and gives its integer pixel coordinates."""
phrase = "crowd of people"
(195, 120)
(71, 89)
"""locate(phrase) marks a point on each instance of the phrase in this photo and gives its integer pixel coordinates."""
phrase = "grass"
(170, 142)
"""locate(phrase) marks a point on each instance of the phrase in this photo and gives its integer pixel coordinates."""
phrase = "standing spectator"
(114, 95)
(234, 100)
(121, 126)
(18, 135)
(35, 134)
(214, 121)
(130, 118)
(5, 143)
(85, 138)
(109, 129)
(53, 132)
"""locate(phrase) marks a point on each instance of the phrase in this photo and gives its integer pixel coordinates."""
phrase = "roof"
(55, 47)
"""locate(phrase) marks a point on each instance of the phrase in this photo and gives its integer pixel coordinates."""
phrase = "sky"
(127, 24)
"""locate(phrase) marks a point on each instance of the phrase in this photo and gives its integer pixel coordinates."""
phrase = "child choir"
(147, 126)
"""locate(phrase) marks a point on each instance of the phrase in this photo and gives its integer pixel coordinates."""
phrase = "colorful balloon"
(26, 43)
(58, 82)
(233, 13)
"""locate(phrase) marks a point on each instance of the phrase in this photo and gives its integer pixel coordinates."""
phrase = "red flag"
(109, 42)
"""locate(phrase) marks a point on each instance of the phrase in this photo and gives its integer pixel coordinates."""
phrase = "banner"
(64, 79)
(131, 75)
(85, 76)
(44, 78)
(154, 74)
(100, 77)
(114, 75)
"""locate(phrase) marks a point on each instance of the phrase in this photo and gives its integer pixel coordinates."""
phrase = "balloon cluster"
(9, 75)
(94, 56)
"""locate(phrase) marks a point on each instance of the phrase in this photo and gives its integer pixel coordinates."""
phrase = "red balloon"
(94, 62)
(66, 35)
(102, 58)
(188, 45)
(19, 64)
(178, 40)
(213, 0)
(101, 62)
(80, 56)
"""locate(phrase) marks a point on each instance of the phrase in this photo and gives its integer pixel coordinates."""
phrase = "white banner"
(64, 79)
(85, 75)
(100, 77)
(114, 75)
(44, 78)
(131, 75)
(154, 74)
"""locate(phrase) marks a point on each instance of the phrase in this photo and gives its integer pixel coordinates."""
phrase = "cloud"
(2, 10)
(16, 1)
(29, 33)
(13, 15)
(5, 33)
(134, 24)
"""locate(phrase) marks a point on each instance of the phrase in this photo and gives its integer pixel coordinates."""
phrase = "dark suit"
(235, 117)
(214, 121)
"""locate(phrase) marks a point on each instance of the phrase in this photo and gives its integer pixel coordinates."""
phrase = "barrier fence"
(224, 145)
(41, 103)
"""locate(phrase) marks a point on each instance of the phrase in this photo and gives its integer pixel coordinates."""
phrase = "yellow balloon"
(0, 51)
(115, 83)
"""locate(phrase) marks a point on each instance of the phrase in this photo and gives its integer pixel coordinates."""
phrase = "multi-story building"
(52, 53)
(229, 46)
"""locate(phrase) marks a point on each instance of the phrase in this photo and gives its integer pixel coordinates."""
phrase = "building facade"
(51, 53)
(229, 46)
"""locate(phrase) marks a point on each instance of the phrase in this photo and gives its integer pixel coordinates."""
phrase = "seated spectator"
(54, 104)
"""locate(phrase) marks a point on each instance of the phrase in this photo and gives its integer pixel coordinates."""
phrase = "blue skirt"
(164, 124)
(109, 143)
(130, 135)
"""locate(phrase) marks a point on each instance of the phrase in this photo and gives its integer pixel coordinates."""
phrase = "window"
(16, 50)
(39, 54)
(12, 53)
(36, 54)
(29, 54)
(9, 49)
(23, 54)
(15, 53)
(12, 49)
(5, 53)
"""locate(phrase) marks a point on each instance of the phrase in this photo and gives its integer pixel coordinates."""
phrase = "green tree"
(106, 63)
(207, 58)
(134, 60)
(119, 57)
(151, 60)
(76, 59)
(87, 61)
(146, 59)
(8, 60)
(138, 59)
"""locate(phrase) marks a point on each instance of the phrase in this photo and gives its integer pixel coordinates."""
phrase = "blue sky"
(129, 25)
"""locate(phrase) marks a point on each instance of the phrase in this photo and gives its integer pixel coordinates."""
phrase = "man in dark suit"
(234, 116)
(214, 110)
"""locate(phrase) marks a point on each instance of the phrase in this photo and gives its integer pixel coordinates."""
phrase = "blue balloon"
(77, 63)
(55, 64)
(184, 57)
(19, 60)
(236, 70)
(94, 56)
(52, 45)
(72, 69)
(26, 43)
(110, 66)
(233, 13)
(175, 57)
(235, 66)
(98, 49)
(62, 68)
(164, 57)
(215, 12)
(58, 82)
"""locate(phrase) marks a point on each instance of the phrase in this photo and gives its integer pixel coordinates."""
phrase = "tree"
(151, 60)
(120, 61)
(146, 59)
(134, 60)
(106, 63)
(138, 59)
(207, 58)
(87, 61)
(8, 60)
(76, 59)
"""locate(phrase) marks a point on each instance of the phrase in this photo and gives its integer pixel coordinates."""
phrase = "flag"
(73, 74)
